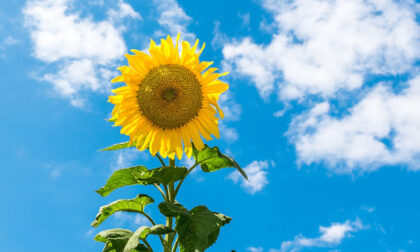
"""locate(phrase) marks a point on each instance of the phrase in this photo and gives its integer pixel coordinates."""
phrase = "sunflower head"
(170, 99)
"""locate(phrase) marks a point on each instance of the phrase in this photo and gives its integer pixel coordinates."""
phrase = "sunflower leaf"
(173, 209)
(200, 229)
(120, 178)
(211, 159)
(119, 146)
(142, 234)
(116, 239)
(140, 175)
(162, 175)
(132, 205)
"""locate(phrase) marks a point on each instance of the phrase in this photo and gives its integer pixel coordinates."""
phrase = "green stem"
(154, 223)
(160, 159)
(160, 190)
(176, 244)
(183, 178)
(147, 244)
(170, 197)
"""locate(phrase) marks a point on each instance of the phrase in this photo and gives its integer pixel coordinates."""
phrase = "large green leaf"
(116, 239)
(198, 229)
(162, 175)
(140, 175)
(211, 159)
(119, 146)
(120, 178)
(143, 232)
(132, 205)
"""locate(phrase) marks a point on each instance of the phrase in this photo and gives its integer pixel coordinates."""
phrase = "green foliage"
(119, 146)
(143, 232)
(116, 239)
(162, 175)
(198, 229)
(173, 209)
(120, 178)
(140, 175)
(132, 205)
(211, 159)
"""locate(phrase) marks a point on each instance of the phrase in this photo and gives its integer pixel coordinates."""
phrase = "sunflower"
(170, 99)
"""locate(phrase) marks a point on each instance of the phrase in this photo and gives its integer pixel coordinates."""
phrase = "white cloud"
(84, 50)
(381, 129)
(254, 249)
(228, 134)
(330, 236)
(257, 176)
(126, 158)
(133, 219)
(173, 18)
(9, 41)
(124, 10)
(219, 38)
(321, 47)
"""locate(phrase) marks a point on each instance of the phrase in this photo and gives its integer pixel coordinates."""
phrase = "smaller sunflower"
(170, 99)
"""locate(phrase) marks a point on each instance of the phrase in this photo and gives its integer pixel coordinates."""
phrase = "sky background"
(323, 112)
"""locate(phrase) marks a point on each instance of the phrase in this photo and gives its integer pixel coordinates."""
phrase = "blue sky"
(323, 112)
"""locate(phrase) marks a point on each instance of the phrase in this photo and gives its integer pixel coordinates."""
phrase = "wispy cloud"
(173, 18)
(257, 176)
(330, 236)
(134, 220)
(83, 50)
(321, 47)
(126, 158)
(254, 249)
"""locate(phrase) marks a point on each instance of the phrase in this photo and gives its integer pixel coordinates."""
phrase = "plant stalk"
(170, 197)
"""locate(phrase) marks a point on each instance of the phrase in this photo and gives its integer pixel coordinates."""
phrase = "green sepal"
(140, 175)
(211, 159)
(142, 234)
(131, 205)
(119, 146)
(116, 239)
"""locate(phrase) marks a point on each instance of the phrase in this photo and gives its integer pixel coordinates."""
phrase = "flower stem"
(170, 197)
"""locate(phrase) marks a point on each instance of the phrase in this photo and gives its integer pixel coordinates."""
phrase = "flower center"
(170, 96)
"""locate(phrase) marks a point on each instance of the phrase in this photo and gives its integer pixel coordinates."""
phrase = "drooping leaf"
(113, 234)
(200, 229)
(120, 178)
(119, 146)
(132, 205)
(142, 234)
(140, 175)
(116, 239)
(173, 209)
(211, 159)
